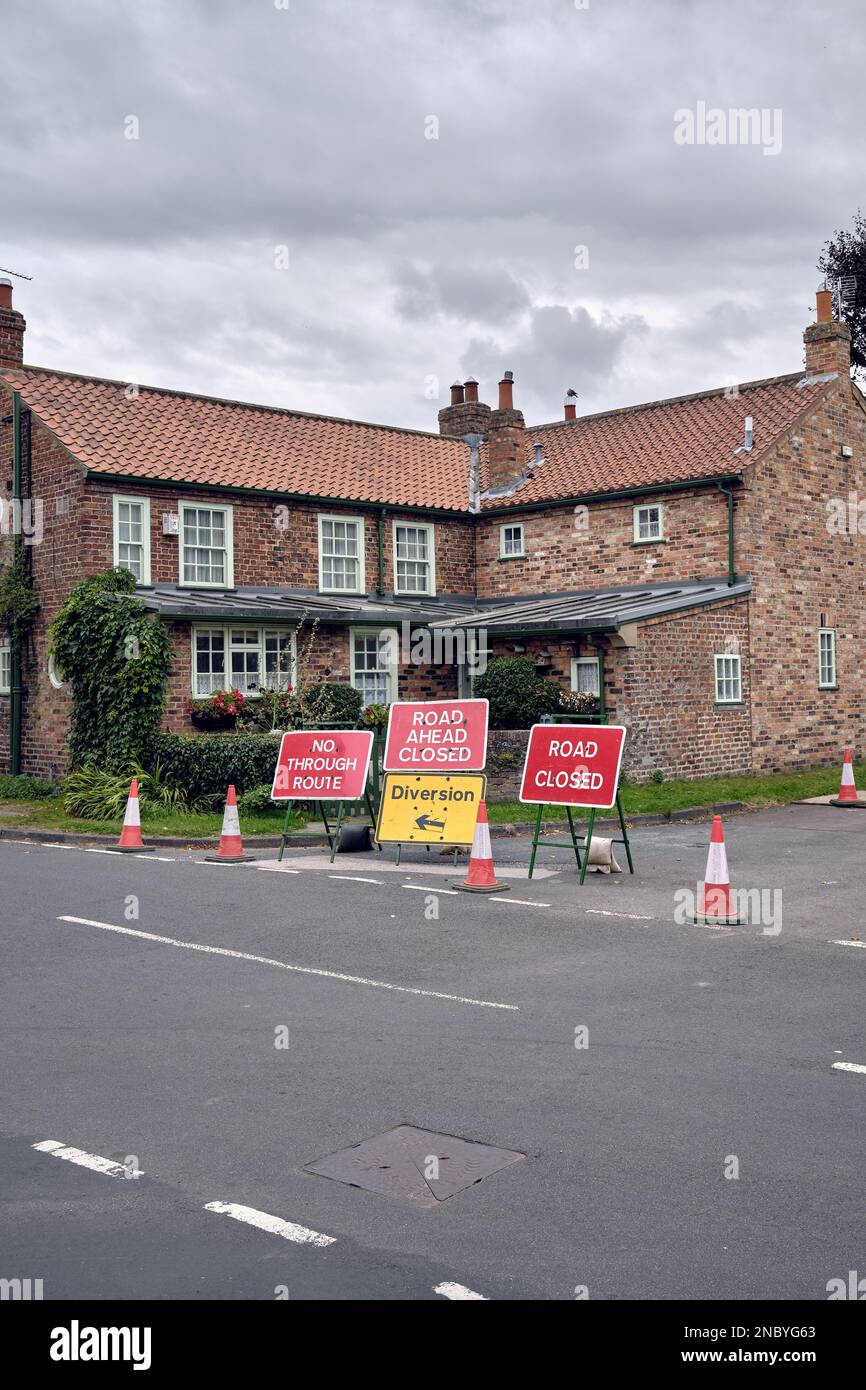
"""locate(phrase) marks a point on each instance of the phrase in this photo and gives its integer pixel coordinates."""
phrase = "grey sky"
(412, 259)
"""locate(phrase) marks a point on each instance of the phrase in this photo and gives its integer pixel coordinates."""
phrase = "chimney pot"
(456, 393)
(5, 293)
(825, 306)
(571, 404)
(506, 392)
(471, 388)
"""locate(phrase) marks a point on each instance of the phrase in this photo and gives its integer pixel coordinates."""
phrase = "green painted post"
(535, 840)
(573, 836)
(625, 838)
(587, 844)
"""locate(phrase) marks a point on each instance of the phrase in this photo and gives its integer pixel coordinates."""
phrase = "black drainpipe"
(380, 540)
(730, 496)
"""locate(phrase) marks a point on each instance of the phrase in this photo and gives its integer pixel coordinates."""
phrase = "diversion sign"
(330, 765)
(572, 764)
(429, 809)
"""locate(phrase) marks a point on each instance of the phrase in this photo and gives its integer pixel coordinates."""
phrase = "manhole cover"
(414, 1165)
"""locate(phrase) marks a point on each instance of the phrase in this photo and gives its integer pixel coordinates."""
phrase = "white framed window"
(649, 523)
(341, 554)
(5, 668)
(374, 663)
(511, 541)
(584, 675)
(206, 551)
(729, 685)
(132, 535)
(826, 658)
(244, 658)
(414, 558)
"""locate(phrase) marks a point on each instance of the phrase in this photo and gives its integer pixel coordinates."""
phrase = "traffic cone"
(715, 907)
(847, 790)
(480, 877)
(130, 841)
(231, 850)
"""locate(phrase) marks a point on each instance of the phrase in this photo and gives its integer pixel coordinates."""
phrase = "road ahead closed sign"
(572, 764)
(428, 809)
(436, 736)
(330, 765)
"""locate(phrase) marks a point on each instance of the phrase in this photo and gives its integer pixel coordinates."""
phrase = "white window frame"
(392, 668)
(229, 577)
(512, 554)
(585, 661)
(833, 682)
(118, 499)
(647, 507)
(427, 526)
(264, 631)
(722, 677)
(5, 668)
(358, 523)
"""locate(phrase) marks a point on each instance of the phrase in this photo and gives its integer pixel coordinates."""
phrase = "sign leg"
(625, 839)
(573, 835)
(587, 845)
(535, 840)
(285, 832)
(336, 840)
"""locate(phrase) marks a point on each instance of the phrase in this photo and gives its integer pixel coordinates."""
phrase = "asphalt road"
(407, 1003)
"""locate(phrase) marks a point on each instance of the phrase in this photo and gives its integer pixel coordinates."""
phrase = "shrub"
(116, 656)
(578, 702)
(274, 709)
(375, 716)
(256, 801)
(518, 696)
(26, 789)
(330, 703)
(203, 765)
(94, 793)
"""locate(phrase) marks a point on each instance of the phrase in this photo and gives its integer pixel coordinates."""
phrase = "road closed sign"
(330, 765)
(572, 764)
(436, 736)
(428, 809)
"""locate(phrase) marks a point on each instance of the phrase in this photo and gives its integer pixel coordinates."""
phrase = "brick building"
(703, 552)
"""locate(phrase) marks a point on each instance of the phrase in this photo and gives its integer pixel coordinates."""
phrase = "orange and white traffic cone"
(715, 907)
(480, 876)
(130, 841)
(231, 850)
(847, 789)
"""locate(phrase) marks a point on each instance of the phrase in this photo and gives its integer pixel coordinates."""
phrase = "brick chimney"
(828, 342)
(466, 414)
(506, 448)
(12, 327)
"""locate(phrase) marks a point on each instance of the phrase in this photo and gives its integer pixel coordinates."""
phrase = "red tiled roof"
(199, 439)
(180, 438)
(662, 442)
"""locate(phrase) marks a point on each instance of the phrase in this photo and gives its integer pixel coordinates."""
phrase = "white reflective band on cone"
(132, 816)
(717, 865)
(481, 847)
(231, 824)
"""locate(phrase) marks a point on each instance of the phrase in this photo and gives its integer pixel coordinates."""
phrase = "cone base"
(133, 849)
(485, 888)
(857, 803)
(707, 919)
(229, 858)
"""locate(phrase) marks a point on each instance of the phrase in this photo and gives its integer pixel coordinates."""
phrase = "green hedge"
(205, 764)
(26, 788)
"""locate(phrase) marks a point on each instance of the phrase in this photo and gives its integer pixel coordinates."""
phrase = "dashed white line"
(628, 916)
(459, 1293)
(355, 878)
(430, 888)
(85, 1160)
(850, 1066)
(274, 1225)
(518, 902)
(861, 944)
(285, 965)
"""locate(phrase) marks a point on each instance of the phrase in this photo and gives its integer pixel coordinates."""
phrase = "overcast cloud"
(413, 260)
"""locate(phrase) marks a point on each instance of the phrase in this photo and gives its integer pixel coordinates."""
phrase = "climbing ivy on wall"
(116, 656)
(18, 602)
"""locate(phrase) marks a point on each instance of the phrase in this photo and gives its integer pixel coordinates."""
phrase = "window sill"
(729, 704)
(521, 556)
(652, 540)
(828, 687)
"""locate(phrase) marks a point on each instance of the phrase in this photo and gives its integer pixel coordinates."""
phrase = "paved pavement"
(408, 1003)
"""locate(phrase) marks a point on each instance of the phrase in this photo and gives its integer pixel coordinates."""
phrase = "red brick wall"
(800, 570)
(561, 556)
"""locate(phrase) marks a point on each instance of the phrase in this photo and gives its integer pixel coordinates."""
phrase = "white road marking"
(274, 1225)
(861, 944)
(459, 1293)
(285, 965)
(355, 878)
(430, 888)
(518, 902)
(849, 1066)
(383, 866)
(85, 1160)
(629, 916)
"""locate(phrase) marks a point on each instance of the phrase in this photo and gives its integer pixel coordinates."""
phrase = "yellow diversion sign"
(429, 809)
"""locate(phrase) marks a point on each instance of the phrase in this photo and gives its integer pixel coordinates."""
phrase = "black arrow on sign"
(425, 823)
